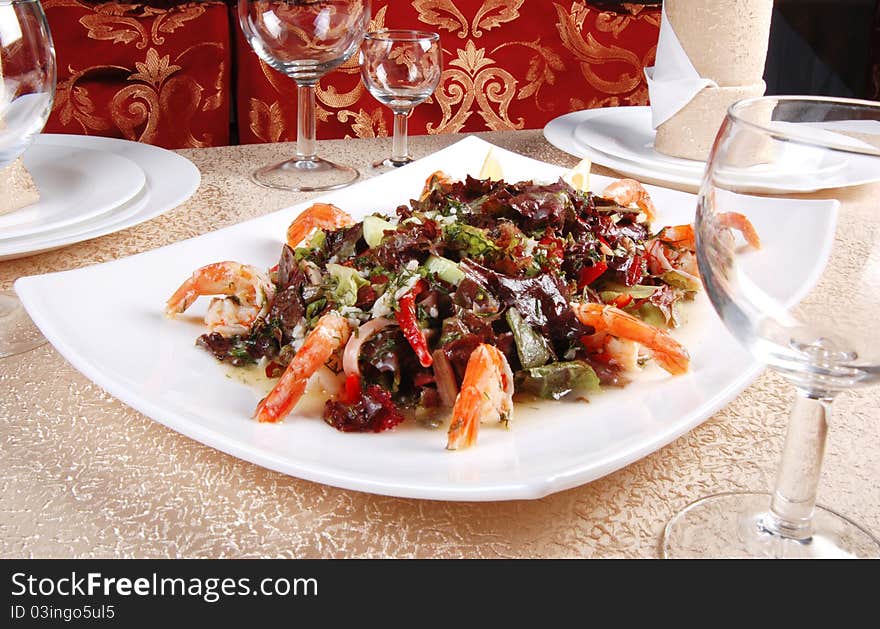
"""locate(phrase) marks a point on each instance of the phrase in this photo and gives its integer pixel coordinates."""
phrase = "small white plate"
(565, 132)
(549, 447)
(626, 133)
(622, 138)
(170, 179)
(75, 184)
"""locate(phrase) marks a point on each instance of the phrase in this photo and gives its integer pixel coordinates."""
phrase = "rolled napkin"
(17, 188)
(691, 132)
(726, 40)
(724, 47)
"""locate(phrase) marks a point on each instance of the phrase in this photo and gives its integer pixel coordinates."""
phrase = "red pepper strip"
(274, 370)
(604, 358)
(352, 390)
(556, 249)
(634, 272)
(409, 325)
(590, 274)
(622, 301)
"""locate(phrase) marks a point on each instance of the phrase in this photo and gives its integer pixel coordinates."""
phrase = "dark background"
(824, 47)
(820, 47)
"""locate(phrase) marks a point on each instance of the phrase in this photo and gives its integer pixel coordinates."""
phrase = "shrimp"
(625, 192)
(249, 292)
(670, 354)
(434, 181)
(739, 222)
(320, 216)
(673, 248)
(329, 334)
(486, 393)
(681, 236)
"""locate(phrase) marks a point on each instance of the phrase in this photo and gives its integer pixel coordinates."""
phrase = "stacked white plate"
(91, 187)
(622, 139)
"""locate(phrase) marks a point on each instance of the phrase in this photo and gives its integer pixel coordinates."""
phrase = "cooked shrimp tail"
(626, 192)
(318, 216)
(329, 334)
(681, 236)
(668, 352)
(735, 220)
(486, 394)
(435, 180)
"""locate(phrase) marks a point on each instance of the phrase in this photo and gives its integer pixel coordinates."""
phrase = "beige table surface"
(83, 475)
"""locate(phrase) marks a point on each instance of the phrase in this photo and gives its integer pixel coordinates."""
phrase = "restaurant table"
(82, 475)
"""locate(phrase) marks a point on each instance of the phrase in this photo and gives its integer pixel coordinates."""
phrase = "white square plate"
(108, 322)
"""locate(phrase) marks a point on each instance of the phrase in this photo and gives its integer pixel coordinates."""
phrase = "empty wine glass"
(304, 39)
(401, 69)
(27, 91)
(805, 173)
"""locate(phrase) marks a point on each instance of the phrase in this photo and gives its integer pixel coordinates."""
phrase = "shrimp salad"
(475, 291)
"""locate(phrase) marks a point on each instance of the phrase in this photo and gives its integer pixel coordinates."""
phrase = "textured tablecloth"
(83, 475)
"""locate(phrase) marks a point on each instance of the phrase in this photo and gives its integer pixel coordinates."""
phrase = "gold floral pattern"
(444, 14)
(161, 73)
(157, 82)
(365, 124)
(543, 66)
(474, 79)
(591, 54)
(616, 23)
(266, 121)
(508, 64)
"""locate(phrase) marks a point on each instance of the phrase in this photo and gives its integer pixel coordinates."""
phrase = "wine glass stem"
(794, 495)
(305, 122)
(399, 147)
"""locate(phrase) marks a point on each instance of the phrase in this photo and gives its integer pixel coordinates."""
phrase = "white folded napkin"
(672, 80)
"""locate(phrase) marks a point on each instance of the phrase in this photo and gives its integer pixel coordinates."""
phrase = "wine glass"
(401, 68)
(304, 39)
(805, 173)
(27, 91)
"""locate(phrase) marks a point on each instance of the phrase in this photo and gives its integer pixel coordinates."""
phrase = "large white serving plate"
(169, 180)
(108, 321)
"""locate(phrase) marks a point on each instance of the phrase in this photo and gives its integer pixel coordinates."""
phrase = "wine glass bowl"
(804, 172)
(401, 69)
(304, 39)
(27, 91)
(27, 76)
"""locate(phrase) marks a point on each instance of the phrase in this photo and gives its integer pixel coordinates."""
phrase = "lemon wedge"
(579, 176)
(491, 167)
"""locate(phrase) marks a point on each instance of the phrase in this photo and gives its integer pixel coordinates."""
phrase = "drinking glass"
(401, 68)
(304, 39)
(27, 91)
(805, 172)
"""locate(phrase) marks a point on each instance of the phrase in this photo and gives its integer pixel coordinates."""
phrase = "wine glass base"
(305, 175)
(18, 333)
(730, 526)
(389, 164)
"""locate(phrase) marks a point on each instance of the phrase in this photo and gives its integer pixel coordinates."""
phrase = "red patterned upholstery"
(161, 71)
(508, 64)
(154, 72)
